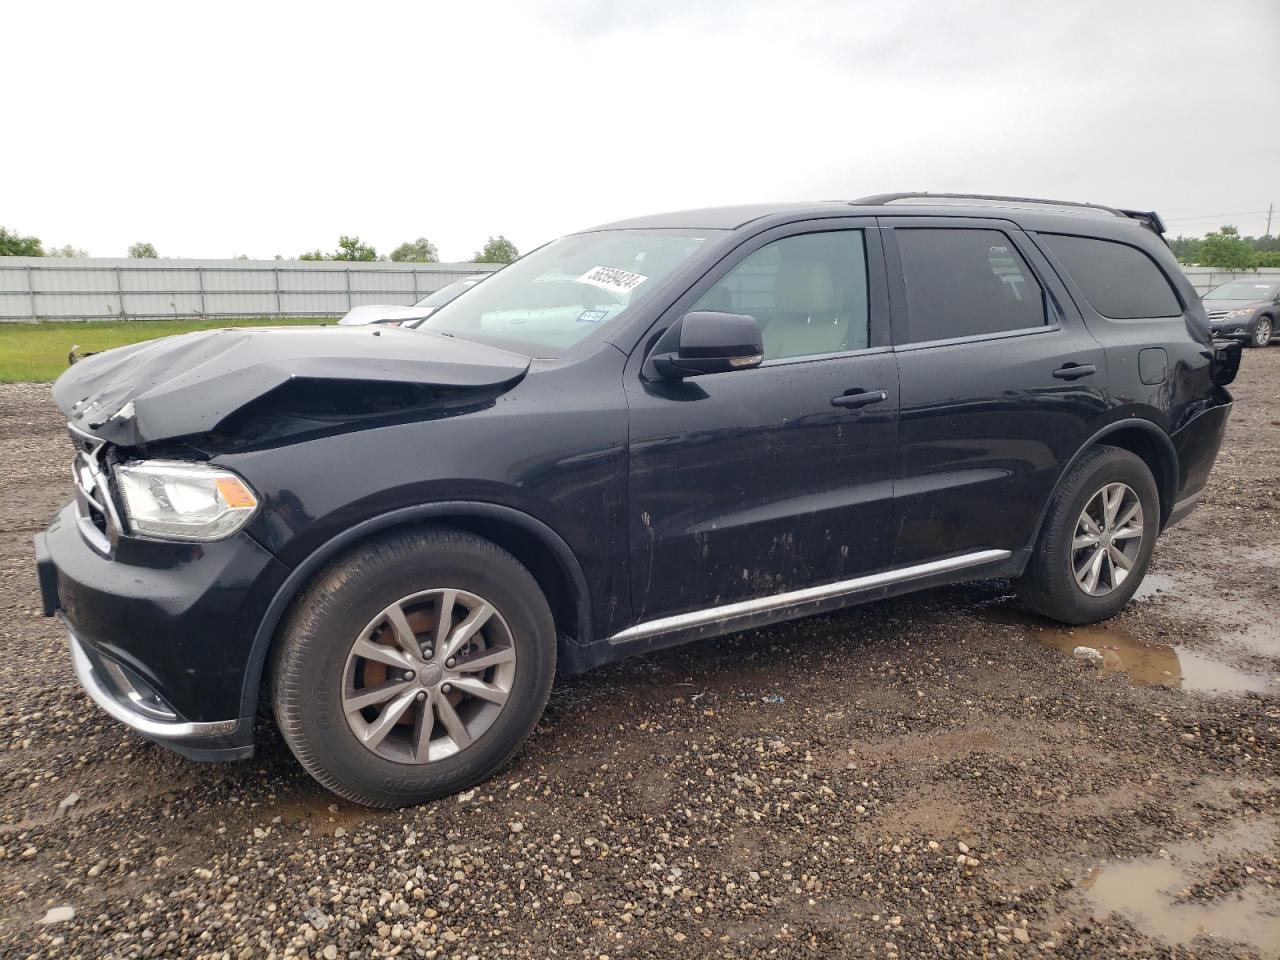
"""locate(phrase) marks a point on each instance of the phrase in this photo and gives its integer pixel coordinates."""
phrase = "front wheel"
(1097, 539)
(413, 667)
(1262, 332)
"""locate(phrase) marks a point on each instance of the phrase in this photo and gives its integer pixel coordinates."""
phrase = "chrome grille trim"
(92, 493)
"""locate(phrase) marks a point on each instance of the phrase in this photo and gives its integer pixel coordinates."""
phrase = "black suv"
(657, 430)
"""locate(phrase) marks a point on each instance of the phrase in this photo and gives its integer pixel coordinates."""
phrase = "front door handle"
(859, 398)
(1074, 371)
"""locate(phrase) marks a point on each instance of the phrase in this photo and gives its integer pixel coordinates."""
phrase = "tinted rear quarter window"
(966, 282)
(1119, 281)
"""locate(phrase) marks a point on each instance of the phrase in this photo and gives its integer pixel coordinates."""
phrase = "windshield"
(449, 292)
(556, 296)
(1243, 290)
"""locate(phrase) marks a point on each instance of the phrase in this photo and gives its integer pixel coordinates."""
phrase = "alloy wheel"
(1107, 539)
(1262, 333)
(428, 676)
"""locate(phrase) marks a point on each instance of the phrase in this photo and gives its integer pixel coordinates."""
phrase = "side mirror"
(707, 342)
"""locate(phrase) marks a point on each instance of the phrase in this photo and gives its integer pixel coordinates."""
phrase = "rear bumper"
(1197, 444)
(160, 634)
(1184, 507)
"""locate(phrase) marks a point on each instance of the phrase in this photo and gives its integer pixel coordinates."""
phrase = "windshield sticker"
(611, 278)
(592, 316)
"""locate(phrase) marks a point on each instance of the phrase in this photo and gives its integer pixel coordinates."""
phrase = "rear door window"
(966, 282)
(1119, 281)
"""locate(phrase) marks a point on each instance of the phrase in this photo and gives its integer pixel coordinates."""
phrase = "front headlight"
(174, 500)
(1237, 314)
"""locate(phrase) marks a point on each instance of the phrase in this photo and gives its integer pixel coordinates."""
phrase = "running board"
(747, 608)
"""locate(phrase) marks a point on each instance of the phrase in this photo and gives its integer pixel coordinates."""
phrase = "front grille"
(1217, 314)
(95, 511)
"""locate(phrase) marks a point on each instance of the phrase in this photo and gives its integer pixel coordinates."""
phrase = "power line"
(1215, 216)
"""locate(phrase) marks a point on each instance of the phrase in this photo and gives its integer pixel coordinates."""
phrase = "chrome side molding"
(746, 608)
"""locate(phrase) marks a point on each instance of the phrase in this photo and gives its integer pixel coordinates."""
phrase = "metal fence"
(55, 288)
(1205, 279)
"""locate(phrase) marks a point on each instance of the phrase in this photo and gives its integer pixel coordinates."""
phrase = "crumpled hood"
(188, 384)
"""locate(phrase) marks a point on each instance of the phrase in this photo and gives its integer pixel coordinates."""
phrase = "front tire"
(1262, 333)
(413, 667)
(1097, 540)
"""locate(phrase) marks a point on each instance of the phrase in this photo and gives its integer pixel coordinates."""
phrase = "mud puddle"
(1114, 649)
(1155, 585)
(1161, 895)
(321, 814)
(1258, 636)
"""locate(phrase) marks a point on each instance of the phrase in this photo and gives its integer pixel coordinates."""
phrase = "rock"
(572, 898)
(1020, 934)
(330, 952)
(316, 917)
(66, 803)
(1087, 653)
(58, 915)
(516, 826)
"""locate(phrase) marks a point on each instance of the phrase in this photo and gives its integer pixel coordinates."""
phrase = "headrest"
(804, 287)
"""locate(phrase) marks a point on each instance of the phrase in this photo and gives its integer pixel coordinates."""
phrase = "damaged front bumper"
(129, 699)
(160, 634)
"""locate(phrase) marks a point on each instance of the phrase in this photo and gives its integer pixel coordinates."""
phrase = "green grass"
(37, 352)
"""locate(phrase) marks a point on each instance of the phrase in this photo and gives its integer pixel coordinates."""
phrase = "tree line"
(496, 250)
(1225, 248)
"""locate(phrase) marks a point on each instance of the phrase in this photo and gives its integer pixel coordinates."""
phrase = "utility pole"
(1270, 208)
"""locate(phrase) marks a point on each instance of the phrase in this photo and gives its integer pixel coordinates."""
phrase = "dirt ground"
(934, 776)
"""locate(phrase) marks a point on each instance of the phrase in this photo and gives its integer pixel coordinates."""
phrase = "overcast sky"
(215, 129)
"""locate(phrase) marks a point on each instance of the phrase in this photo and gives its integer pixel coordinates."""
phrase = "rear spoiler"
(1149, 219)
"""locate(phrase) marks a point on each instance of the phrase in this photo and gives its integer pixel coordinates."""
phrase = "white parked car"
(393, 315)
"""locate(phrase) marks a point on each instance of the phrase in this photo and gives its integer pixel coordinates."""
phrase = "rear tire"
(1097, 539)
(377, 679)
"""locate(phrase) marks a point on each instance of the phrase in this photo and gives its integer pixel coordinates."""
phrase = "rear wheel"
(1262, 332)
(1097, 539)
(413, 667)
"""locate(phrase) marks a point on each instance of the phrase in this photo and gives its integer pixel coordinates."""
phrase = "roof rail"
(1148, 218)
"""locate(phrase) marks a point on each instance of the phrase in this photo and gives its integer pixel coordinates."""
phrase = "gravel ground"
(934, 776)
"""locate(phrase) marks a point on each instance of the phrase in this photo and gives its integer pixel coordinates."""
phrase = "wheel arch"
(1140, 437)
(542, 551)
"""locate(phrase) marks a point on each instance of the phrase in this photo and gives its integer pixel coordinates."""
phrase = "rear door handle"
(859, 398)
(1074, 371)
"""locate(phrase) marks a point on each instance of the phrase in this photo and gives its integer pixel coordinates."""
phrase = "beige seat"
(805, 320)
